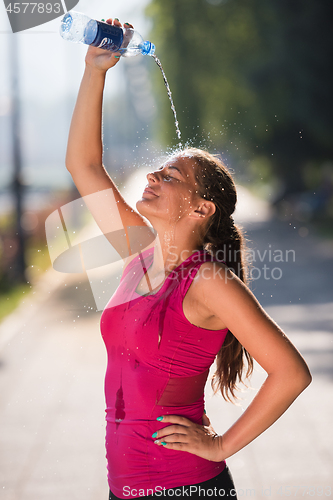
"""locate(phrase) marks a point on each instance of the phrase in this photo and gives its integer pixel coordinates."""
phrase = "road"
(52, 364)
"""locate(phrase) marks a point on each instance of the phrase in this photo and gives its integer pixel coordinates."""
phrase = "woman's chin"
(142, 207)
(149, 210)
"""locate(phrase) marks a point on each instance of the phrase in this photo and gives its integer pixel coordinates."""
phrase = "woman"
(173, 312)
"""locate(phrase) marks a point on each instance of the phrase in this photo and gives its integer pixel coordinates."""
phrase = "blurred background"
(38, 87)
(252, 81)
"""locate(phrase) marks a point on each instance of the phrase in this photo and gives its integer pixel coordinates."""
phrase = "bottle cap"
(147, 48)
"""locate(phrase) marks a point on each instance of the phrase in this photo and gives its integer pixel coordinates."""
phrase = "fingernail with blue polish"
(154, 435)
(205, 412)
(159, 418)
(164, 443)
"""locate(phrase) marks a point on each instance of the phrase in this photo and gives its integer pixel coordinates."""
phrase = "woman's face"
(171, 192)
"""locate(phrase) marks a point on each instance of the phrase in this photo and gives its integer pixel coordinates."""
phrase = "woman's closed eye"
(168, 177)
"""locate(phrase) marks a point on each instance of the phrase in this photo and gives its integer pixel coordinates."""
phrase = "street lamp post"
(17, 185)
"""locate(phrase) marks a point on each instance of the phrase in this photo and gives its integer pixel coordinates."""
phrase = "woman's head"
(192, 184)
(213, 180)
(172, 195)
(213, 184)
(214, 199)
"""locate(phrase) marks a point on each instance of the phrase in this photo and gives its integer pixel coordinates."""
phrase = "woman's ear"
(203, 210)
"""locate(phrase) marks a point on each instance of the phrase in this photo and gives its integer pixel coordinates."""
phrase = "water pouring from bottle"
(79, 28)
(158, 62)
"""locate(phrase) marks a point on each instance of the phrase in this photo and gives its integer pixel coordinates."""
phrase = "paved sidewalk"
(52, 364)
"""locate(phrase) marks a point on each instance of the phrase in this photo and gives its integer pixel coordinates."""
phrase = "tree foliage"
(255, 73)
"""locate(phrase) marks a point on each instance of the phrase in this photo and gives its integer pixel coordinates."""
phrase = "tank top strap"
(196, 260)
(139, 264)
(184, 274)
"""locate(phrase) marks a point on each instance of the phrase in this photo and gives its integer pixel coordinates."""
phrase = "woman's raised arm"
(84, 158)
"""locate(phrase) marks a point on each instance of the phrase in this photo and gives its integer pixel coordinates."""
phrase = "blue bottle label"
(108, 37)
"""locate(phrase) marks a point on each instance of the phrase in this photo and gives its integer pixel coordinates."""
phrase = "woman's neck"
(170, 252)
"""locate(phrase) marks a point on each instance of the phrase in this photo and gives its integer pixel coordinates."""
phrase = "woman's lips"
(149, 191)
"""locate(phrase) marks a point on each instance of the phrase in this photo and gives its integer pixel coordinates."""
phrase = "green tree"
(257, 74)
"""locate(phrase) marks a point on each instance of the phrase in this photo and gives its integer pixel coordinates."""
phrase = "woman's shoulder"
(210, 268)
(213, 277)
(199, 292)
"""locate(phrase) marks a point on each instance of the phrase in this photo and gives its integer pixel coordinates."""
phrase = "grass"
(36, 254)
(11, 298)
(38, 261)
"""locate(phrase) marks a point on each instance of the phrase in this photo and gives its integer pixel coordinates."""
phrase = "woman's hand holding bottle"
(101, 59)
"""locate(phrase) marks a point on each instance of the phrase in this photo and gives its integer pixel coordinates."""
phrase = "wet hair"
(225, 241)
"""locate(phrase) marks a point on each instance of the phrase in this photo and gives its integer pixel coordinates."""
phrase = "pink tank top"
(158, 363)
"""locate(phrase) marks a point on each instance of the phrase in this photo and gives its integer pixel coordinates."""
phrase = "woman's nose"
(151, 177)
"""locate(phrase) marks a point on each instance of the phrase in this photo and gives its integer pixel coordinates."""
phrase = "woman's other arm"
(229, 300)
(287, 373)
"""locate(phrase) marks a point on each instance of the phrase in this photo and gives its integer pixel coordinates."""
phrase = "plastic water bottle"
(79, 28)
